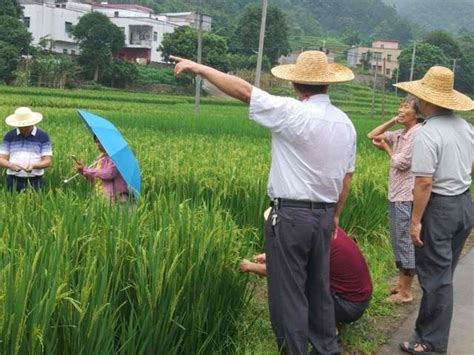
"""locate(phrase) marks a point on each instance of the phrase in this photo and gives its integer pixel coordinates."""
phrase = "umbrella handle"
(90, 166)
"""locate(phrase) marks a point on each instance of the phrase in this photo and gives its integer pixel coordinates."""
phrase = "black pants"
(347, 311)
(300, 302)
(446, 224)
(20, 183)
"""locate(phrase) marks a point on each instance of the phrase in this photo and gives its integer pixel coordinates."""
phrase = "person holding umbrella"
(111, 185)
(26, 151)
(116, 166)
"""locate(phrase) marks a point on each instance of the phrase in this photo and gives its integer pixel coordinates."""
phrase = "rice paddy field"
(78, 276)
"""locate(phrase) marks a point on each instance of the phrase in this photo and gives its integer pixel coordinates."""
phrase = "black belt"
(278, 203)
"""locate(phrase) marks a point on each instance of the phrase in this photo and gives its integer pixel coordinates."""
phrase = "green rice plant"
(80, 276)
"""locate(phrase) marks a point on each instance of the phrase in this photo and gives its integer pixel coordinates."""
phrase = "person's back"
(449, 140)
(349, 273)
(309, 139)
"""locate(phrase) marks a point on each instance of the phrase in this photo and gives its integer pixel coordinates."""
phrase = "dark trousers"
(20, 183)
(347, 311)
(446, 224)
(300, 302)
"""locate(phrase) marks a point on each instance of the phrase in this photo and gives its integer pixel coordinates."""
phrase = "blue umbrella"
(117, 149)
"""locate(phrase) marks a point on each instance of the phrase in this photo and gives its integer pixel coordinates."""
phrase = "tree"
(183, 43)
(465, 67)
(9, 55)
(445, 41)
(120, 73)
(99, 39)
(427, 56)
(10, 8)
(246, 37)
(14, 41)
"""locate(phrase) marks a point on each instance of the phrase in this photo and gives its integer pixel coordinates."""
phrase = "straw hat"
(437, 87)
(312, 68)
(23, 117)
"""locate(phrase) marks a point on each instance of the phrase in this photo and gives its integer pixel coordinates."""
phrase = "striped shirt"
(401, 180)
(23, 150)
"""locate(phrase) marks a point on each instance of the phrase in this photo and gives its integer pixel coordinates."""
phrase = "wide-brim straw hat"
(437, 87)
(312, 68)
(23, 117)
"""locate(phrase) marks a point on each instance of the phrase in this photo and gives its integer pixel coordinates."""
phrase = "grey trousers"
(300, 302)
(446, 224)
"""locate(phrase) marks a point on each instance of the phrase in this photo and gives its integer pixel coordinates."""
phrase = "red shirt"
(349, 274)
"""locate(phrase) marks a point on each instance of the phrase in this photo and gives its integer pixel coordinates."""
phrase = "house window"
(155, 36)
(26, 22)
(116, 14)
(377, 56)
(68, 27)
(389, 57)
(64, 50)
(73, 52)
(387, 72)
(382, 46)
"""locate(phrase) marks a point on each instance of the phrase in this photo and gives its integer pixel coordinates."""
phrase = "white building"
(384, 51)
(51, 20)
(143, 29)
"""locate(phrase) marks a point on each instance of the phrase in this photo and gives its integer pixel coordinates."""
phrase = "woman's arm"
(377, 131)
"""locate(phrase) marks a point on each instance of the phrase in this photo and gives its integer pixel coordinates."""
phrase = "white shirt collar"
(319, 98)
(33, 132)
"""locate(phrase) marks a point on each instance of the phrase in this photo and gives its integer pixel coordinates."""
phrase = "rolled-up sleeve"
(425, 154)
(272, 112)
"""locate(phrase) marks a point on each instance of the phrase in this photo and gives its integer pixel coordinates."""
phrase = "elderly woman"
(398, 146)
(111, 184)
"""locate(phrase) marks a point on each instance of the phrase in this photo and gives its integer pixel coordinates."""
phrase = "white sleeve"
(271, 111)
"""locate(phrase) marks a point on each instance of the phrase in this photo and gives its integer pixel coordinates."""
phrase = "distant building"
(293, 56)
(381, 50)
(143, 29)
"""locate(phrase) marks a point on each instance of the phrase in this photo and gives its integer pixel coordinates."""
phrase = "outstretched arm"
(229, 84)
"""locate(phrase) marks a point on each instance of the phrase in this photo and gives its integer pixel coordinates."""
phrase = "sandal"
(415, 348)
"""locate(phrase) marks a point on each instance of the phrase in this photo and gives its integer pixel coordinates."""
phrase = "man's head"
(436, 93)
(23, 117)
(304, 91)
(312, 73)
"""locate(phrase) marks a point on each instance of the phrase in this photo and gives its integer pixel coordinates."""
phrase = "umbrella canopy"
(117, 149)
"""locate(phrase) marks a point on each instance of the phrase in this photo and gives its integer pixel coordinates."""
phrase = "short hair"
(410, 99)
(311, 89)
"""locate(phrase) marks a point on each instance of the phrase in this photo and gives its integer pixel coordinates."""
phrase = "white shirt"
(313, 145)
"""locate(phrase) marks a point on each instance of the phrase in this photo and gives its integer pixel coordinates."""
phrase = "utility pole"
(261, 41)
(383, 89)
(374, 88)
(197, 98)
(413, 54)
(398, 72)
(454, 65)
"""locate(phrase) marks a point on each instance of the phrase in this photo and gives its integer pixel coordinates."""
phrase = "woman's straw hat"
(437, 87)
(312, 68)
(23, 117)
